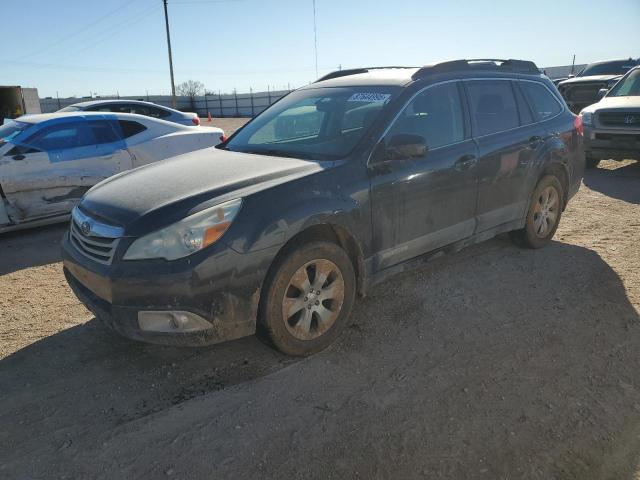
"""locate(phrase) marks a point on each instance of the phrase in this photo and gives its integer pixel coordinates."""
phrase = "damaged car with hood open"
(48, 162)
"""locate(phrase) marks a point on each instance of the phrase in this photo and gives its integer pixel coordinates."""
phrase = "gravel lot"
(493, 363)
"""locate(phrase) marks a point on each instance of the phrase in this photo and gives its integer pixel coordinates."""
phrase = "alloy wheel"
(545, 213)
(313, 299)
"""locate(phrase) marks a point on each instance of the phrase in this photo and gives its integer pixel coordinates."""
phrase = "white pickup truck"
(18, 101)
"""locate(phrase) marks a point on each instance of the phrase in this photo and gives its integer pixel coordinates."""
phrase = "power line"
(199, 71)
(203, 2)
(107, 34)
(51, 45)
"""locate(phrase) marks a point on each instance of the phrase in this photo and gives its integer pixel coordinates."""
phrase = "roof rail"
(352, 71)
(509, 65)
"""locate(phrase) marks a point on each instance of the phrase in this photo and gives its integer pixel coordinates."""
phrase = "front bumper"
(615, 144)
(217, 284)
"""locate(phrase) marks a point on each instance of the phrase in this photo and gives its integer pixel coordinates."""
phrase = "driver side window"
(434, 114)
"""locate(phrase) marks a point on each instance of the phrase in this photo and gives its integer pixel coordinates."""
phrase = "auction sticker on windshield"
(370, 97)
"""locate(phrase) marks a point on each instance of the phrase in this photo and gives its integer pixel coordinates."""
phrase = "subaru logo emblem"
(85, 228)
(629, 119)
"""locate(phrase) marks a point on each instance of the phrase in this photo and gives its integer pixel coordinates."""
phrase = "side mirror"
(403, 146)
(602, 92)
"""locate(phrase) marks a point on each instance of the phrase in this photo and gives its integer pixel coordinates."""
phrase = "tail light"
(577, 124)
(196, 120)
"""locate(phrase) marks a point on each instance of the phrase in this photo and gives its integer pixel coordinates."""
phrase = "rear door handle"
(465, 162)
(18, 157)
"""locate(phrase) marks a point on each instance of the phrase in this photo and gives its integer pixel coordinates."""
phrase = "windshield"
(608, 68)
(10, 130)
(319, 123)
(70, 108)
(628, 86)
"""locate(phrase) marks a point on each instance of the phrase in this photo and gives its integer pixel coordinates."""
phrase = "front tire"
(543, 216)
(307, 298)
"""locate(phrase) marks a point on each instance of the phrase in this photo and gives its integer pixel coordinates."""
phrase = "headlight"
(186, 236)
(587, 118)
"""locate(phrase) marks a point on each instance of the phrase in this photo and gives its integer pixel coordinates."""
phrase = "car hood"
(614, 103)
(594, 78)
(160, 193)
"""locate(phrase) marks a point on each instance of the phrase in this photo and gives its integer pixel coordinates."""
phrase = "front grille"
(100, 243)
(619, 138)
(583, 93)
(620, 119)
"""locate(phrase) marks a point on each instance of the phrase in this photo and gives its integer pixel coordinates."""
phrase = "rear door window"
(107, 107)
(157, 112)
(493, 106)
(103, 131)
(526, 115)
(543, 103)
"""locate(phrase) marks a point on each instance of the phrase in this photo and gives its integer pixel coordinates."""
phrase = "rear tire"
(307, 298)
(543, 216)
(591, 162)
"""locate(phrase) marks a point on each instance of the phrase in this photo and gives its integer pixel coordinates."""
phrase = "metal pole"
(315, 35)
(173, 85)
(58, 99)
(573, 63)
(269, 95)
(206, 103)
(235, 94)
(253, 114)
(220, 102)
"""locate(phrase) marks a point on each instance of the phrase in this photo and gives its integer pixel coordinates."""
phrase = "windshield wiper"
(278, 153)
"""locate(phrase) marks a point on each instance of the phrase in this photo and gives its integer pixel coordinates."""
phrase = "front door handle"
(18, 157)
(465, 162)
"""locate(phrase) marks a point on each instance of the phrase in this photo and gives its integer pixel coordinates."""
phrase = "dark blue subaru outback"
(330, 190)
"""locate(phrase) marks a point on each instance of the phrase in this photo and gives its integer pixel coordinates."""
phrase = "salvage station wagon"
(327, 192)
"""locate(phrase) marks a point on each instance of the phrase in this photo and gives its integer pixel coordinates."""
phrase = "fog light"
(172, 322)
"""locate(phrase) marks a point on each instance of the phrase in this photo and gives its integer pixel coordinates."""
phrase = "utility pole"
(173, 85)
(573, 63)
(315, 36)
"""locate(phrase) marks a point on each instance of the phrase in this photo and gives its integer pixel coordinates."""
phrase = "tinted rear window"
(608, 68)
(130, 128)
(543, 103)
(493, 106)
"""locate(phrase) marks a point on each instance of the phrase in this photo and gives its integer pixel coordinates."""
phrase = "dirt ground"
(493, 363)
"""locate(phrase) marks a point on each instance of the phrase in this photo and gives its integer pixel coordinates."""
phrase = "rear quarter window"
(543, 103)
(130, 128)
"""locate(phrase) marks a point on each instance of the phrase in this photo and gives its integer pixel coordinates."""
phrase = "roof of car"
(400, 76)
(599, 62)
(43, 117)
(91, 103)
(367, 76)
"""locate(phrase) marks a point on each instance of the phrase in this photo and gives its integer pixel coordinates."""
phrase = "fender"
(278, 229)
(553, 157)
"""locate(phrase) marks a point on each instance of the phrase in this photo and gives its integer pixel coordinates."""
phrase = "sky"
(107, 47)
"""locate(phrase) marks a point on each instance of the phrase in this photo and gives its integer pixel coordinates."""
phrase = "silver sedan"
(138, 107)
